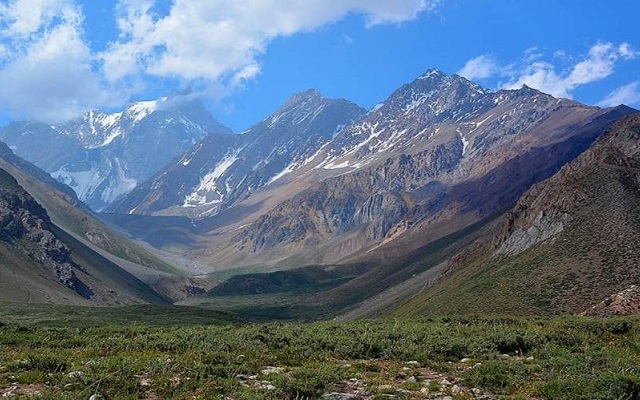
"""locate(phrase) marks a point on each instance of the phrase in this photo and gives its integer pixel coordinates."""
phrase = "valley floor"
(149, 352)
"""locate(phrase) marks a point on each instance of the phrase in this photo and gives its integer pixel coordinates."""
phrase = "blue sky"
(245, 57)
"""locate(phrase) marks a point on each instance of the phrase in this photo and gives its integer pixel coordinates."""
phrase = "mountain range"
(390, 210)
(299, 187)
(103, 156)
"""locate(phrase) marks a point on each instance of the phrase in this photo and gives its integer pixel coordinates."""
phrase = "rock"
(412, 379)
(272, 370)
(626, 302)
(445, 382)
(465, 360)
(547, 223)
(413, 363)
(455, 389)
(75, 374)
(341, 396)
(476, 391)
(96, 397)
(530, 358)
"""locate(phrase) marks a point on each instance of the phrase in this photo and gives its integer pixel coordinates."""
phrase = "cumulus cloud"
(597, 65)
(221, 41)
(532, 70)
(628, 94)
(46, 67)
(480, 67)
(49, 72)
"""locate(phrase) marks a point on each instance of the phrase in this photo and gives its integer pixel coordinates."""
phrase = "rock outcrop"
(25, 225)
(626, 302)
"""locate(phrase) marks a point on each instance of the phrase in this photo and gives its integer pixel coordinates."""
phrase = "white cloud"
(597, 65)
(221, 41)
(628, 94)
(46, 67)
(49, 72)
(627, 52)
(480, 67)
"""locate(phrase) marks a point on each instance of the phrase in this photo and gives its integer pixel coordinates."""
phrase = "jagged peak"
(432, 73)
(439, 78)
(525, 90)
(301, 97)
(297, 100)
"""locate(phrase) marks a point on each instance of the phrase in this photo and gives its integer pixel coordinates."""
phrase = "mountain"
(224, 169)
(440, 154)
(42, 263)
(104, 156)
(570, 241)
(118, 269)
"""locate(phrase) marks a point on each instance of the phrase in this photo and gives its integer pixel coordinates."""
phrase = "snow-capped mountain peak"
(142, 109)
(103, 156)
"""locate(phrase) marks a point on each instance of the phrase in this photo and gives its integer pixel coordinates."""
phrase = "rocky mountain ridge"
(569, 242)
(25, 226)
(224, 169)
(439, 154)
(426, 161)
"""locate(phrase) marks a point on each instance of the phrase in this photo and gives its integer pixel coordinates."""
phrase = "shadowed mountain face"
(104, 156)
(308, 186)
(25, 228)
(43, 263)
(570, 241)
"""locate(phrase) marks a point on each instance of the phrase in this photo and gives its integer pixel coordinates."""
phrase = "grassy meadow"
(149, 352)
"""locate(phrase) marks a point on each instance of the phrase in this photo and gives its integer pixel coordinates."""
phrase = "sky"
(244, 58)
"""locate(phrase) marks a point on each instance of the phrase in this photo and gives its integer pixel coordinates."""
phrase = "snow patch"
(109, 120)
(142, 109)
(84, 183)
(206, 192)
(288, 169)
(112, 135)
(482, 122)
(120, 185)
(429, 74)
(465, 142)
(333, 165)
(376, 108)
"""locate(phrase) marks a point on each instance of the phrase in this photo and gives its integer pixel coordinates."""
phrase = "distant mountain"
(321, 180)
(104, 156)
(570, 241)
(224, 169)
(439, 154)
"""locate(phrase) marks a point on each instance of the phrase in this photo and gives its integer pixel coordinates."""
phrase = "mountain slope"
(103, 156)
(438, 155)
(69, 213)
(222, 170)
(41, 263)
(570, 241)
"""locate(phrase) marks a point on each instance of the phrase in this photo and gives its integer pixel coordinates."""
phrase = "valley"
(337, 200)
(326, 210)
